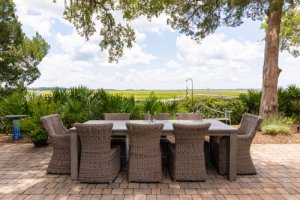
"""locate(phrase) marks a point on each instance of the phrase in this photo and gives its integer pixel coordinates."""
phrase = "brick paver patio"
(23, 176)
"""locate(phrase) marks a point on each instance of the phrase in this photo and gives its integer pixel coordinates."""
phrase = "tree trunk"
(271, 71)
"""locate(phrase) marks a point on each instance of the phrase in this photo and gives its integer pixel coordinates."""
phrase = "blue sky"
(160, 59)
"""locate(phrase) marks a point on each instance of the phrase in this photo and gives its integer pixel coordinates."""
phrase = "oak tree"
(19, 55)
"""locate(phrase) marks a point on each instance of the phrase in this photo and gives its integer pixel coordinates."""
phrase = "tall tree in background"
(19, 55)
(195, 18)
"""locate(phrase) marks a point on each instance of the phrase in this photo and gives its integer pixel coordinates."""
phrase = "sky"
(161, 58)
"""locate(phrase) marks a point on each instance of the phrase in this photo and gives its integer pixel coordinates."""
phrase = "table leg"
(123, 143)
(232, 157)
(16, 130)
(74, 156)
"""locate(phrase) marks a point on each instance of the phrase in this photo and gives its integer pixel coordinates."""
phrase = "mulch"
(7, 138)
(293, 138)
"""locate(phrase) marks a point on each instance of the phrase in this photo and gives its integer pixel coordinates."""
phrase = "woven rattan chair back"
(53, 125)
(116, 116)
(144, 152)
(141, 135)
(189, 136)
(186, 158)
(249, 125)
(99, 162)
(95, 136)
(189, 116)
(160, 116)
(120, 141)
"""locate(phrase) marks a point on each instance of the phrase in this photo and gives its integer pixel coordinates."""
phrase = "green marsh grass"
(162, 94)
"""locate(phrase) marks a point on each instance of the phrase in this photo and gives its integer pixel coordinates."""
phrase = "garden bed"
(293, 138)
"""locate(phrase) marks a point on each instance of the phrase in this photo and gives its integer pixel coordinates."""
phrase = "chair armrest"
(61, 139)
(68, 131)
(243, 137)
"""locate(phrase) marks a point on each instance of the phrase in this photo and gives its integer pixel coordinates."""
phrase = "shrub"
(39, 138)
(38, 106)
(289, 102)
(275, 129)
(14, 104)
(170, 107)
(152, 104)
(275, 125)
(251, 100)
(32, 129)
(80, 104)
(215, 107)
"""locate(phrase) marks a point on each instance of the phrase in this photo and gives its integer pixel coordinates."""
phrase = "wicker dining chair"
(219, 146)
(197, 116)
(60, 136)
(189, 116)
(164, 141)
(121, 141)
(186, 156)
(145, 163)
(160, 116)
(99, 163)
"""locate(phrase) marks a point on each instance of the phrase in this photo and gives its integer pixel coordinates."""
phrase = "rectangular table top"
(216, 126)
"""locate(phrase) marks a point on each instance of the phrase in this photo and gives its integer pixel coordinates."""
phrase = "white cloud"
(40, 16)
(79, 49)
(89, 51)
(61, 70)
(140, 36)
(38, 24)
(290, 70)
(45, 8)
(217, 47)
(172, 75)
(219, 62)
(134, 56)
(156, 25)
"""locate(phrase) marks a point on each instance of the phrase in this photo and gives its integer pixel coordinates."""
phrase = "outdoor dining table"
(217, 128)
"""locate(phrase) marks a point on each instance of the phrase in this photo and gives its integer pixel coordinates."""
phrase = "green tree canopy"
(19, 55)
(290, 32)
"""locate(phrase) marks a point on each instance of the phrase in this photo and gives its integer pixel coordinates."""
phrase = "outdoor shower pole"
(192, 91)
